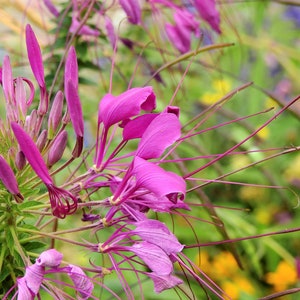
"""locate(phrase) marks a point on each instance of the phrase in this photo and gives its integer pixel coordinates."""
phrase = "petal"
(49, 258)
(71, 68)
(132, 10)
(164, 282)
(155, 258)
(35, 57)
(158, 181)
(208, 11)
(157, 233)
(31, 153)
(74, 108)
(180, 38)
(23, 291)
(34, 276)
(135, 128)
(7, 81)
(115, 109)
(82, 282)
(163, 131)
(84, 30)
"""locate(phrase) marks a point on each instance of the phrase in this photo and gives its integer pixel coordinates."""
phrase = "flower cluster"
(185, 19)
(137, 182)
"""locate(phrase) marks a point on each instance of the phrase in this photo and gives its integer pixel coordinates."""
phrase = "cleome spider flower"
(28, 286)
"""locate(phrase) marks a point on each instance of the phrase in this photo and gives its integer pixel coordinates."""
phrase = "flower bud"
(57, 149)
(8, 178)
(20, 160)
(55, 115)
(42, 139)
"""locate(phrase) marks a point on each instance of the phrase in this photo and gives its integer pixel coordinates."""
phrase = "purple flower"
(62, 202)
(208, 11)
(8, 178)
(132, 10)
(30, 284)
(36, 63)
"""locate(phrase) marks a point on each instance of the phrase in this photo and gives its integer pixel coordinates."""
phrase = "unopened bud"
(8, 178)
(42, 139)
(20, 160)
(57, 149)
(55, 115)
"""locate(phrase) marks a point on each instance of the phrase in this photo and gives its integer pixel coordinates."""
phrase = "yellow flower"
(224, 265)
(220, 88)
(284, 276)
(237, 286)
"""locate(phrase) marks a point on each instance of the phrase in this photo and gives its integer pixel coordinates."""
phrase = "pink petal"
(115, 109)
(164, 282)
(135, 128)
(31, 153)
(157, 233)
(208, 11)
(84, 30)
(71, 68)
(82, 282)
(7, 81)
(179, 38)
(154, 257)
(158, 181)
(49, 258)
(75, 109)
(162, 132)
(132, 10)
(24, 292)
(34, 276)
(35, 56)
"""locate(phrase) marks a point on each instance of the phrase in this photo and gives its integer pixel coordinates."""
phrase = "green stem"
(17, 244)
